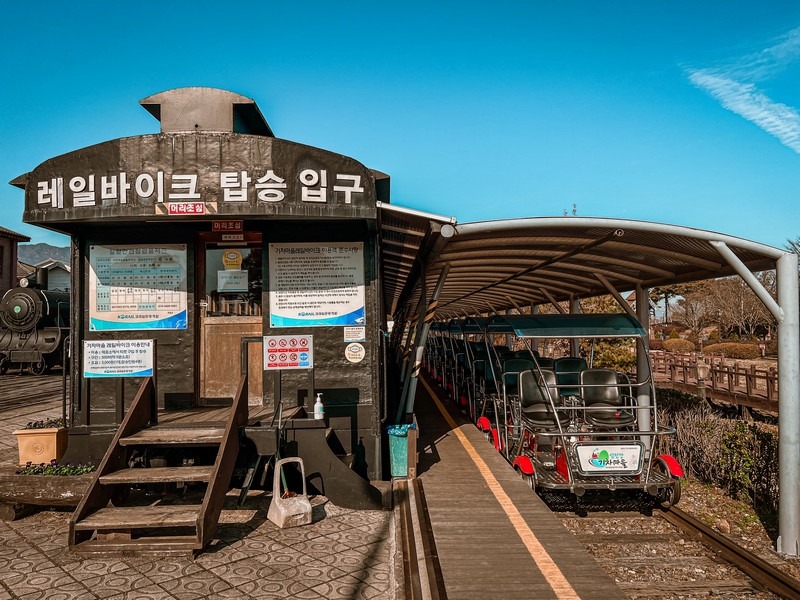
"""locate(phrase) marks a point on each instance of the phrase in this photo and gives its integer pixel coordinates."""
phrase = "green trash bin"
(398, 449)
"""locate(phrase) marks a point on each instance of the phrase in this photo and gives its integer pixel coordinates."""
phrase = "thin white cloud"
(747, 101)
(734, 86)
(765, 64)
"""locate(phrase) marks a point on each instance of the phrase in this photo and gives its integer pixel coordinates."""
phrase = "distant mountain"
(36, 253)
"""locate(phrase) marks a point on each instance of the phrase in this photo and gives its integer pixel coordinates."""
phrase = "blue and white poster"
(137, 287)
(118, 358)
(316, 284)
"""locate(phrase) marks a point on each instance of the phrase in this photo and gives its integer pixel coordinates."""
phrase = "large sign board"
(316, 284)
(137, 287)
(118, 358)
(288, 352)
(222, 176)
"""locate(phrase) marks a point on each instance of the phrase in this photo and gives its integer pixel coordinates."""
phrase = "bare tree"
(694, 307)
(737, 308)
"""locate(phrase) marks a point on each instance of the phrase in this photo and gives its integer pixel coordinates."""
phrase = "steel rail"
(759, 570)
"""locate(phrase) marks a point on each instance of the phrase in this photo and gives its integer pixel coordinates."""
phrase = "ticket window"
(230, 308)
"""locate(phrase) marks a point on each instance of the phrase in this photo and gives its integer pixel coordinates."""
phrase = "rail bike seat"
(604, 403)
(545, 362)
(511, 368)
(568, 372)
(538, 398)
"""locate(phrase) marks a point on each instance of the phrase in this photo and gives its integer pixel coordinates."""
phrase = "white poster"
(137, 287)
(231, 281)
(316, 285)
(118, 358)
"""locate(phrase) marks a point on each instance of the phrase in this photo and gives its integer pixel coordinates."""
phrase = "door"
(230, 279)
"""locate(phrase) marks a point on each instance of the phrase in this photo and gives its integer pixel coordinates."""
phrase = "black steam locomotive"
(33, 326)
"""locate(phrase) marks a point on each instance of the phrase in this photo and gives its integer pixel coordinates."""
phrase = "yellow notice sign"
(232, 259)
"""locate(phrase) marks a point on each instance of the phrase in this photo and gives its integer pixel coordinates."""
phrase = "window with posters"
(316, 284)
(137, 287)
(233, 280)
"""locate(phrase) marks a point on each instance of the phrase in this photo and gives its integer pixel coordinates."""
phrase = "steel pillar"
(575, 309)
(643, 371)
(788, 407)
(785, 311)
(424, 327)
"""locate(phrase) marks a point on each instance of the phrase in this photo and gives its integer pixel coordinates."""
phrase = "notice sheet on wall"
(118, 358)
(137, 287)
(316, 284)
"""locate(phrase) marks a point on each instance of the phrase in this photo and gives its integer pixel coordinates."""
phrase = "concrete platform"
(494, 537)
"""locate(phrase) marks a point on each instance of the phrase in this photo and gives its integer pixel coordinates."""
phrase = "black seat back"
(608, 393)
(531, 392)
(511, 367)
(568, 372)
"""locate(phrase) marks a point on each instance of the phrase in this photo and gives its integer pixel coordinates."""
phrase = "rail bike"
(565, 422)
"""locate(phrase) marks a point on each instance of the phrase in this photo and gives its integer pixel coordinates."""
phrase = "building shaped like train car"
(223, 279)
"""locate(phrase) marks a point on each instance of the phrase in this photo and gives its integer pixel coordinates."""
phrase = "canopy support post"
(410, 390)
(643, 371)
(575, 309)
(788, 407)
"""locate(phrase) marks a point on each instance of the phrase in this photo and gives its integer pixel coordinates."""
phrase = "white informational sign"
(137, 287)
(354, 353)
(118, 358)
(316, 285)
(599, 459)
(231, 281)
(355, 334)
(288, 352)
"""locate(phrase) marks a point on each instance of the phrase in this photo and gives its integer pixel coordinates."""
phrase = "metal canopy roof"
(495, 265)
(566, 326)
(407, 238)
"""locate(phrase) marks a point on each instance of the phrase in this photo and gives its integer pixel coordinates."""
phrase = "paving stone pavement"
(343, 554)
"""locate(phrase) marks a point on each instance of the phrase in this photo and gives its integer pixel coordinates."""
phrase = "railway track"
(759, 570)
(670, 554)
(21, 390)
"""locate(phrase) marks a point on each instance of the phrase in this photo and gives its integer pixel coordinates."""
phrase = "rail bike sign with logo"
(601, 459)
(288, 352)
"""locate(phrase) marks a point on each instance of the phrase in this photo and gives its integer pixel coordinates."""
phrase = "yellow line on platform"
(552, 574)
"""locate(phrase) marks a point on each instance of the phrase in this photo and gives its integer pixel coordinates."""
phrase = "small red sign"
(227, 226)
(186, 208)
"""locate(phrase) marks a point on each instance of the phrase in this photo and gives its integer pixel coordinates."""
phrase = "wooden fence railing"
(728, 380)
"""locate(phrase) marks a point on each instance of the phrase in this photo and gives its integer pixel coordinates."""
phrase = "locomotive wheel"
(4, 365)
(39, 367)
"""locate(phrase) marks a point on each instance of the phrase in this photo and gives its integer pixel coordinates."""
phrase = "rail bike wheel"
(669, 495)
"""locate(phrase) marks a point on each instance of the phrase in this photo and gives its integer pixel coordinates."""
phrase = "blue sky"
(678, 112)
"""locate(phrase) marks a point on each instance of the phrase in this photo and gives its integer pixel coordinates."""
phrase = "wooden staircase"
(119, 512)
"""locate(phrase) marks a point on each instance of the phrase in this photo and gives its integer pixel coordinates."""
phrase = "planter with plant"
(41, 441)
(26, 487)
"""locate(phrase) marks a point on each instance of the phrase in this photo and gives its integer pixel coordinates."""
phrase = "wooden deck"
(494, 537)
(24, 389)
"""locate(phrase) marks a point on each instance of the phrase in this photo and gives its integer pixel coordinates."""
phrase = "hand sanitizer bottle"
(319, 410)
